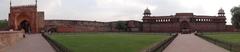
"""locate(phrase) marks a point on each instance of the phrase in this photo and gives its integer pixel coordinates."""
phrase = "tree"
(3, 24)
(121, 25)
(235, 11)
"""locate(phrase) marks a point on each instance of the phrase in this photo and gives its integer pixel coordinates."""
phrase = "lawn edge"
(160, 46)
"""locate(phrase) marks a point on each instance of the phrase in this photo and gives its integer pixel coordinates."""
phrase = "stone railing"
(8, 38)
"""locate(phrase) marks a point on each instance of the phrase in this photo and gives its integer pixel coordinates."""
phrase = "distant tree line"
(235, 11)
(3, 23)
(121, 25)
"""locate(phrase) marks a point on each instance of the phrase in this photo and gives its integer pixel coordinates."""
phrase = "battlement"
(24, 6)
(184, 14)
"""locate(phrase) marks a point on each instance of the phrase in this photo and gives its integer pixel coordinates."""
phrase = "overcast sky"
(113, 10)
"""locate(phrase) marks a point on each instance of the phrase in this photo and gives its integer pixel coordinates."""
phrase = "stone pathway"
(192, 43)
(32, 43)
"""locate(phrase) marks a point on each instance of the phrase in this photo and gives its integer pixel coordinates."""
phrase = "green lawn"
(108, 42)
(232, 37)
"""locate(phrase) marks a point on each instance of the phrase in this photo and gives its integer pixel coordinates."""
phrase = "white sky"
(113, 10)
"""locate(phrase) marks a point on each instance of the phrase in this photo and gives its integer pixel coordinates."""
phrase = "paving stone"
(192, 43)
(32, 43)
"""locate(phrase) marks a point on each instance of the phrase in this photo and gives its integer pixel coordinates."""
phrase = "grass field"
(232, 37)
(108, 42)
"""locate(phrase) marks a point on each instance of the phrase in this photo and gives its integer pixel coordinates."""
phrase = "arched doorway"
(25, 25)
(185, 27)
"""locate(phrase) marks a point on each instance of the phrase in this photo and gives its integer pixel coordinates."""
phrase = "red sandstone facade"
(183, 22)
(26, 17)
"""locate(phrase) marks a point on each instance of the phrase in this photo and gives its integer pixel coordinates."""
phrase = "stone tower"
(147, 12)
(221, 12)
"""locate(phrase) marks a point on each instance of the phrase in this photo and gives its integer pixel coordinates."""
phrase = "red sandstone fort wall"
(78, 26)
(89, 26)
(230, 28)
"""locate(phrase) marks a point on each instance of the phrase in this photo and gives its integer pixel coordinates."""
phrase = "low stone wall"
(8, 38)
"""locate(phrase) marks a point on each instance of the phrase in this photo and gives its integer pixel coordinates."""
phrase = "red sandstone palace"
(28, 18)
(183, 22)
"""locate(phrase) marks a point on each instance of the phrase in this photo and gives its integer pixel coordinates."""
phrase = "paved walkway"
(32, 43)
(192, 43)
